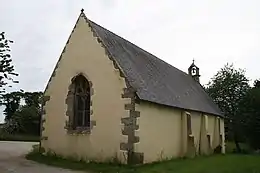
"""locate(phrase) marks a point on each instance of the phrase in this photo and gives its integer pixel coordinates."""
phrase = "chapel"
(109, 99)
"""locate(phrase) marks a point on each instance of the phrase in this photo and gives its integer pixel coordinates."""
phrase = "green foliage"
(6, 67)
(257, 84)
(231, 148)
(33, 98)
(27, 120)
(22, 119)
(11, 101)
(250, 109)
(211, 164)
(18, 137)
(228, 88)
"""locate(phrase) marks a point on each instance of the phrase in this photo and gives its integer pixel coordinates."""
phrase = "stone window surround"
(70, 113)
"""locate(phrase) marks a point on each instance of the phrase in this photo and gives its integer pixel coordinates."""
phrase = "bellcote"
(193, 70)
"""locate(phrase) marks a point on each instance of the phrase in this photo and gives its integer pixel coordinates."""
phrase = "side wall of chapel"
(164, 132)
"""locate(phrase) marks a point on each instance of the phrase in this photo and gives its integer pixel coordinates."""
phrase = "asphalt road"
(12, 160)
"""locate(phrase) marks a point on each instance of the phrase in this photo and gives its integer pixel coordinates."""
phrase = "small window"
(189, 124)
(219, 125)
(81, 105)
(206, 122)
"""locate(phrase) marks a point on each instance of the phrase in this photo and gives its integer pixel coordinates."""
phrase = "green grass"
(79, 165)
(231, 147)
(230, 163)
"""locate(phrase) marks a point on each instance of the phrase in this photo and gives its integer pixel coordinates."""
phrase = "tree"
(227, 88)
(6, 68)
(27, 121)
(23, 119)
(250, 109)
(257, 84)
(33, 98)
(11, 101)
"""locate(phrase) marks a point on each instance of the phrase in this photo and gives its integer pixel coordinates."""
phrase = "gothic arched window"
(81, 105)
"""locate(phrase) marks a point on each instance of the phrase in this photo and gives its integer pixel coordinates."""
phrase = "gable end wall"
(85, 54)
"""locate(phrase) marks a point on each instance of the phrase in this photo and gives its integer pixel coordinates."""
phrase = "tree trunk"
(238, 149)
(237, 146)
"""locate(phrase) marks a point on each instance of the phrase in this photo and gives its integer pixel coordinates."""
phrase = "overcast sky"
(213, 32)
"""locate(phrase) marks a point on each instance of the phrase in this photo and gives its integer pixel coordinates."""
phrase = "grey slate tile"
(154, 79)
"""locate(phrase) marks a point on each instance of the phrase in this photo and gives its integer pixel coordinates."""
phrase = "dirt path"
(12, 160)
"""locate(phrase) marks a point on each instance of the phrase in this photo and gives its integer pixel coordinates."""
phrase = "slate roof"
(155, 80)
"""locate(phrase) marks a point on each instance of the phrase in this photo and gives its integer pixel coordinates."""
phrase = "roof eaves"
(178, 107)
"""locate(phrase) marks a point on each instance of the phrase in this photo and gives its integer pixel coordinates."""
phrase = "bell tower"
(194, 71)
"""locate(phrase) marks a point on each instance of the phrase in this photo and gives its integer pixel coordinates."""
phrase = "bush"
(218, 149)
(18, 137)
(245, 148)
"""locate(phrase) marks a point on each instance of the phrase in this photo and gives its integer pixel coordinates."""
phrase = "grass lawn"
(230, 163)
(230, 147)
